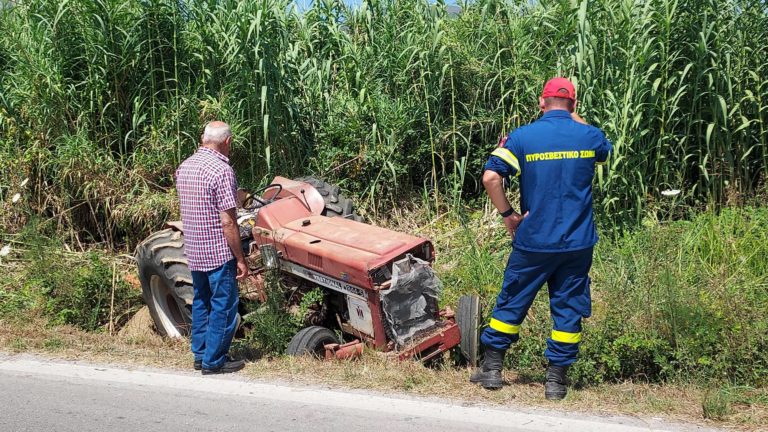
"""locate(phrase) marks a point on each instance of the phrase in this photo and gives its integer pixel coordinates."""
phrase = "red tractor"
(377, 285)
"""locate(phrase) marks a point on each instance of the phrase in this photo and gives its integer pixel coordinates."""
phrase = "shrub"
(697, 287)
(70, 288)
(15, 302)
(81, 296)
(271, 326)
(679, 300)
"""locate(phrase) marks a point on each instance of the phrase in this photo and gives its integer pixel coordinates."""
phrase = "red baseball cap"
(559, 87)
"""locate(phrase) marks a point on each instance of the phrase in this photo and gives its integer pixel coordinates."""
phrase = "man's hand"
(512, 222)
(493, 183)
(242, 270)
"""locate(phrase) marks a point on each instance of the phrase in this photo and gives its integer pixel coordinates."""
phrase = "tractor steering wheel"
(248, 202)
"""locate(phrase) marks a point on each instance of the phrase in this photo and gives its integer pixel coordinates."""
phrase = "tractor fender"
(306, 193)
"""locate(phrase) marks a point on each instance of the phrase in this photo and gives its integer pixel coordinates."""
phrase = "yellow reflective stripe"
(601, 163)
(504, 327)
(507, 157)
(565, 337)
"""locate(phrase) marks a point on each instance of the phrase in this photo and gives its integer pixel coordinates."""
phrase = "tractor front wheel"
(468, 319)
(311, 341)
(166, 282)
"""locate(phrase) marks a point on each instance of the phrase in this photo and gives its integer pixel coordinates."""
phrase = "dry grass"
(70, 343)
(380, 373)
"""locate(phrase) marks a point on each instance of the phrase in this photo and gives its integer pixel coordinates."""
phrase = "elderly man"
(554, 233)
(207, 193)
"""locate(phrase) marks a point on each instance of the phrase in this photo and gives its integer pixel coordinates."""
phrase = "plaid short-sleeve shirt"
(206, 186)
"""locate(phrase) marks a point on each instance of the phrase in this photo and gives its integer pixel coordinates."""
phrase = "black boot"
(554, 388)
(489, 372)
(228, 366)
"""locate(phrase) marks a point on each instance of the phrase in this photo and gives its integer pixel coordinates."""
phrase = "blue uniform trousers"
(567, 276)
(214, 313)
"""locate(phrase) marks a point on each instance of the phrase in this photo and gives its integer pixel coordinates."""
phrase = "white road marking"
(350, 401)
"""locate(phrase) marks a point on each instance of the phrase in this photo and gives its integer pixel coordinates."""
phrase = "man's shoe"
(554, 388)
(229, 366)
(489, 372)
(198, 365)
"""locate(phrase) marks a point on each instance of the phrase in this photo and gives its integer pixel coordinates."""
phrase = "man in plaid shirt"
(207, 189)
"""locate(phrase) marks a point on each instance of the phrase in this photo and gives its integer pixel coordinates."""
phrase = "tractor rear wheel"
(166, 282)
(468, 319)
(311, 341)
(335, 203)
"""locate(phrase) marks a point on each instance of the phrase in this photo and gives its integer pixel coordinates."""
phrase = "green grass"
(679, 300)
(43, 280)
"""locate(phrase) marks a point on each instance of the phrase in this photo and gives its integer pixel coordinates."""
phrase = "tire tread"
(336, 204)
(162, 253)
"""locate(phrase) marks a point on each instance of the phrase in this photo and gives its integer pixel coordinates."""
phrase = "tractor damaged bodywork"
(354, 264)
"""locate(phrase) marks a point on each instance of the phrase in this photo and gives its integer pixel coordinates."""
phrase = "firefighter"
(553, 235)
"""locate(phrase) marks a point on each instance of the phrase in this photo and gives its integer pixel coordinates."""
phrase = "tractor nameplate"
(324, 280)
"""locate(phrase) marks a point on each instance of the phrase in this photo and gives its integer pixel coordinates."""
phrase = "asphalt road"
(38, 395)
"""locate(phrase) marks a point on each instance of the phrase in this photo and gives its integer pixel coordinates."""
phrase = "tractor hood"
(345, 249)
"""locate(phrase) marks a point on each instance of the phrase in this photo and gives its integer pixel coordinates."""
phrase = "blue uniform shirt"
(554, 158)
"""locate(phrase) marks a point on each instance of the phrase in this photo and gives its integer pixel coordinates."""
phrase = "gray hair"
(216, 132)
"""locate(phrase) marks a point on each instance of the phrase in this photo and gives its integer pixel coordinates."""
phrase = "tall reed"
(386, 98)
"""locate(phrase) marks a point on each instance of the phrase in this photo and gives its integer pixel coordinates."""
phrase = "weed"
(716, 405)
(16, 301)
(18, 344)
(410, 382)
(271, 326)
(53, 344)
(70, 288)
(82, 295)
(309, 301)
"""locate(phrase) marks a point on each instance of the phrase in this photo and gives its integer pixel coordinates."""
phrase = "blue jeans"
(214, 313)
(567, 276)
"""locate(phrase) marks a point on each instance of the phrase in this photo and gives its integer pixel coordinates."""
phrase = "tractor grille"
(315, 261)
(410, 305)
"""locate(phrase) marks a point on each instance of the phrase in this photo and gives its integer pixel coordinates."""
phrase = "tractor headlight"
(269, 258)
